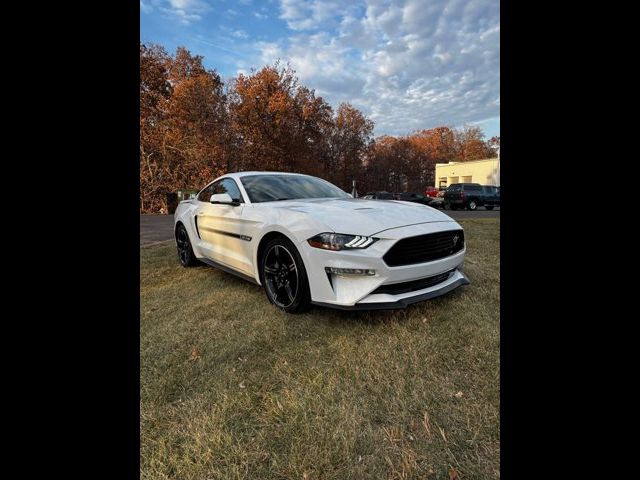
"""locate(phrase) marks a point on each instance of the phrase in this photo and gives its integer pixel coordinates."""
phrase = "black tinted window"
(205, 194)
(472, 188)
(229, 186)
(454, 188)
(267, 188)
(226, 185)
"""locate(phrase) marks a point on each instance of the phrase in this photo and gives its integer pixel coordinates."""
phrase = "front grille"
(412, 286)
(425, 248)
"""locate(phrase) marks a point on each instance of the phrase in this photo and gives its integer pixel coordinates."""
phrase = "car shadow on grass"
(337, 317)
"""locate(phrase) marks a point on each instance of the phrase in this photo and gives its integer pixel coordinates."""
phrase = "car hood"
(364, 217)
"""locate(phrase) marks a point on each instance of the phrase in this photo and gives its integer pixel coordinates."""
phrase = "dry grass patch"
(232, 388)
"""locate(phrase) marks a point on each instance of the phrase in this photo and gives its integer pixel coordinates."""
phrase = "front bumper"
(388, 302)
(355, 292)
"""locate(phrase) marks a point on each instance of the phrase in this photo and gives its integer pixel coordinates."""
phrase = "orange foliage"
(194, 128)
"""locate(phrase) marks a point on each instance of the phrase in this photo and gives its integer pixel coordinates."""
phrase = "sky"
(407, 64)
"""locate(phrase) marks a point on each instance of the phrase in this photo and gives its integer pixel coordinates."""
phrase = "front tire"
(185, 252)
(284, 277)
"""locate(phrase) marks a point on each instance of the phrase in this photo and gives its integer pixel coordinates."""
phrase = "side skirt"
(230, 270)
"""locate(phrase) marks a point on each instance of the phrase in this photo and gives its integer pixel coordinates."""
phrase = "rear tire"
(284, 277)
(489, 207)
(472, 205)
(185, 252)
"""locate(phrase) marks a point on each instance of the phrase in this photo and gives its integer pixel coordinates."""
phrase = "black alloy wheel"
(185, 252)
(284, 276)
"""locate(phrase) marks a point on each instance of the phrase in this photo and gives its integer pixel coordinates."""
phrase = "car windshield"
(270, 188)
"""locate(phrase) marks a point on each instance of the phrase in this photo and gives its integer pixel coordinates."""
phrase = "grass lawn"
(230, 387)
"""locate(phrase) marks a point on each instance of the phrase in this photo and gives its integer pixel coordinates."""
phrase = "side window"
(228, 185)
(205, 195)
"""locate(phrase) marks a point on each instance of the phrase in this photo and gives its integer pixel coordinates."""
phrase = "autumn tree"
(436, 145)
(155, 91)
(494, 145)
(348, 139)
(280, 123)
(470, 145)
(393, 164)
(182, 119)
(193, 128)
(194, 141)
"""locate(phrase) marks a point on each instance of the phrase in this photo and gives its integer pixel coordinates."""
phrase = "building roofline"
(494, 159)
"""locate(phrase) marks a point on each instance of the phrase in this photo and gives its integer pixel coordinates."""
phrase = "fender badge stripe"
(246, 238)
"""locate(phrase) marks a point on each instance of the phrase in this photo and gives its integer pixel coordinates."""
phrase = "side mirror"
(223, 199)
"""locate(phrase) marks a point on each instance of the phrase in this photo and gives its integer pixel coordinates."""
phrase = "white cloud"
(145, 7)
(239, 34)
(260, 16)
(186, 11)
(408, 64)
(312, 14)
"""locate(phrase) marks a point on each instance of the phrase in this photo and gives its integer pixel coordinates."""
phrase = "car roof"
(245, 174)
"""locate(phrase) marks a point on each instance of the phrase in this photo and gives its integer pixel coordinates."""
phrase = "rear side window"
(455, 188)
(472, 188)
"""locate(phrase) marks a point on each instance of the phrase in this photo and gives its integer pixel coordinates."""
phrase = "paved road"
(159, 228)
(155, 228)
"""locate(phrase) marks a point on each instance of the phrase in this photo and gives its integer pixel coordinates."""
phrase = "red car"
(431, 192)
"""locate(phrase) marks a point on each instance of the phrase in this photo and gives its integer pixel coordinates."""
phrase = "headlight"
(339, 241)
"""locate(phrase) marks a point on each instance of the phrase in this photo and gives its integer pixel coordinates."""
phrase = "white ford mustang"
(307, 241)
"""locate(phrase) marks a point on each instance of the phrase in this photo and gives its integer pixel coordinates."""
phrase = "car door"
(222, 230)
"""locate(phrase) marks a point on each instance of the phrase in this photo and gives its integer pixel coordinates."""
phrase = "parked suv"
(471, 196)
(492, 196)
